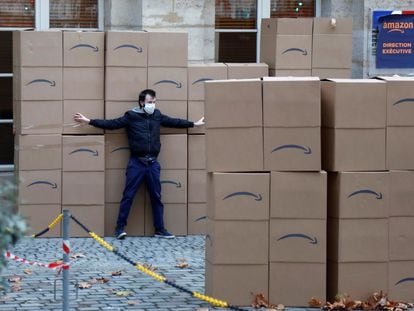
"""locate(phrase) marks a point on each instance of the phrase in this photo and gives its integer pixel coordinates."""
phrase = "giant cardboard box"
(136, 218)
(293, 284)
(117, 151)
(298, 195)
(197, 219)
(238, 196)
(83, 83)
(401, 193)
(196, 112)
(297, 240)
(173, 154)
(83, 49)
(358, 194)
(116, 109)
(83, 153)
(38, 217)
(167, 49)
(289, 73)
(246, 70)
(196, 152)
(92, 216)
(114, 185)
(329, 73)
(199, 73)
(124, 83)
(173, 109)
(234, 149)
(237, 242)
(93, 109)
(400, 284)
(197, 186)
(175, 218)
(401, 238)
(173, 186)
(168, 82)
(291, 102)
(126, 49)
(400, 147)
(353, 149)
(40, 187)
(83, 188)
(292, 149)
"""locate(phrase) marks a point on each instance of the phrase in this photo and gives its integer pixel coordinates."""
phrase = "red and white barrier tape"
(66, 246)
(52, 265)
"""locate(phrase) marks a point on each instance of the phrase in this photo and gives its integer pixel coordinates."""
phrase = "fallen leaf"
(132, 302)
(27, 271)
(280, 307)
(182, 263)
(16, 288)
(83, 285)
(117, 273)
(77, 255)
(202, 309)
(314, 303)
(102, 280)
(260, 301)
(122, 294)
(150, 267)
(14, 279)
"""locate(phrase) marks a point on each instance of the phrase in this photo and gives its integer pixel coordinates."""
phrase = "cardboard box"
(114, 185)
(173, 109)
(38, 217)
(93, 109)
(401, 194)
(37, 117)
(136, 218)
(332, 73)
(400, 148)
(170, 83)
(358, 240)
(83, 188)
(126, 48)
(83, 49)
(196, 112)
(358, 280)
(358, 194)
(292, 149)
(175, 219)
(197, 218)
(287, 26)
(325, 25)
(38, 152)
(298, 195)
(117, 151)
(236, 284)
(173, 186)
(37, 83)
(237, 242)
(173, 153)
(234, 149)
(297, 240)
(83, 83)
(116, 109)
(167, 49)
(199, 73)
(37, 48)
(83, 153)
(353, 103)
(92, 216)
(291, 102)
(247, 70)
(124, 83)
(289, 73)
(289, 286)
(401, 238)
(400, 285)
(196, 152)
(233, 103)
(238, 196)
(197, 186)
(353, 149)
(40, 187)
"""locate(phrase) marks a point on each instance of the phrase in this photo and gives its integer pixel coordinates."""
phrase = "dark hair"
(144, 93)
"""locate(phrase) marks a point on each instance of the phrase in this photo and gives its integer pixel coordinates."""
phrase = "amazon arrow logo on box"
(46, 183)
(369, 192)
(256, 197)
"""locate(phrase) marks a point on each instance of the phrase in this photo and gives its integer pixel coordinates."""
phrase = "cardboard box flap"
(331, 25)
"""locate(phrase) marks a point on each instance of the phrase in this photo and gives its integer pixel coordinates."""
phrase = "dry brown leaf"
(182, 263)
(122, 293)
(77, 255)
(260, 301)
(14, 279)
(314, 303)
(132, 302)
(280, 307)
(16, 288)
(27, 271)
(83, 285)
(150, 267)
(102, 280)
(117, 273)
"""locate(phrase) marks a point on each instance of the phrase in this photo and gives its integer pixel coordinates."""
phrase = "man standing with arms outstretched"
(142, 124)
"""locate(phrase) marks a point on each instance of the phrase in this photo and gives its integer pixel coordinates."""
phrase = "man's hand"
(199, 122)
(80, 118)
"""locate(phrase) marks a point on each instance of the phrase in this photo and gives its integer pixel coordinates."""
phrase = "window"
(17, 13)
(73, 14)
(292, 8)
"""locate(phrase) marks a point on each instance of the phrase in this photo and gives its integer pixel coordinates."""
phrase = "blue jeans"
(137, 172)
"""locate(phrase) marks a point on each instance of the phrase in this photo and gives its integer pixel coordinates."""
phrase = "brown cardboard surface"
(173, 109)
(291, 102)
(39, 216)
(353, 103)
(332, 51)
(247, 70)
(358, 195)
(93, 109)
(289, 73)
(358, 240)
(400, 284)
(196, 152)
(173, 186)
(83, 188)
(167, 49)
(353, 149)
(170, 83)
(38, 152)
(175, 219)
(126, 48)
(114, 185)
(83, 83)
(83, 49)
(298, 195)
(329, 73)
(237, 242)
(234, 149)
(173, 153)
(358, 280)
(196, 112)
(287, 26)
(324, 25)
(400, 147)
(83, 153)
(136, 218)
(401, 238)
(236, 283)
(238, 196)
(293, 52)
(289, 286)
(92, 216)
(116, 109)
(292, 149)
(297, 240)
(124, 83)
(401, 194)
(199, 73)
(233, 103)
(40, 187)
(197, 186)
(197, 219)
(37, 48)
(117, 151)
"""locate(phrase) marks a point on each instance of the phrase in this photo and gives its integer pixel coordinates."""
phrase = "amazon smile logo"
(178, 85)
(404, 100)
(51, 83)
(313, 240)
(43, 182)
(129, 46)
(306, 150)
(93, 152)
(410, 279)
(177, 184)
(378, 196)
(120, 149)
(257, 197)
(201, 80)
(200, 218)
(83, 45)
(303, 52)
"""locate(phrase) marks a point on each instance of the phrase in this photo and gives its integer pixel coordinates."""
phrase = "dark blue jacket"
(143, 130)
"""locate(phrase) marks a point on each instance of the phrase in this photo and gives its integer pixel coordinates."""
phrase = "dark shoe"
(164, 234)
(120, 234)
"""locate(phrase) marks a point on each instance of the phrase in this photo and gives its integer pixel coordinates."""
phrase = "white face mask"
(149, 108)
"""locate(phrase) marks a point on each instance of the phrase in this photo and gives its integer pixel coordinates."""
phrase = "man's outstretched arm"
(112, 124)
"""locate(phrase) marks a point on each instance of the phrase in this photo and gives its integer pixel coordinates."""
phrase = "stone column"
(123, 14)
